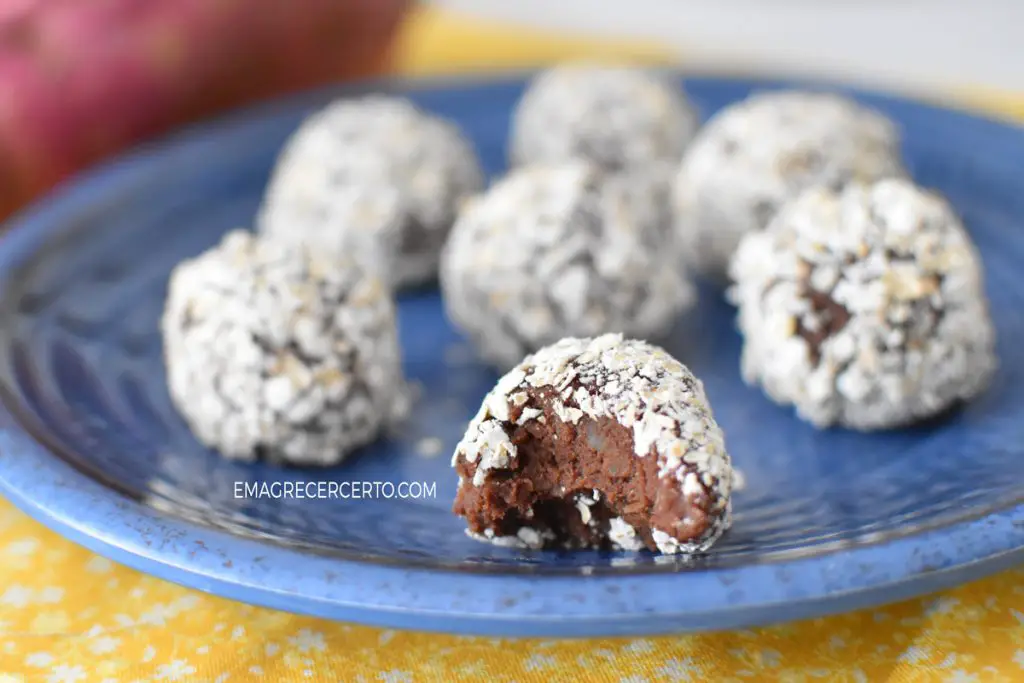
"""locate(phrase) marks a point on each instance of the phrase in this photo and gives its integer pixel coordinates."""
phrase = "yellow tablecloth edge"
(436, 41)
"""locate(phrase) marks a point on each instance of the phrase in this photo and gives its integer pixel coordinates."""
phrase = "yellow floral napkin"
(69, 616)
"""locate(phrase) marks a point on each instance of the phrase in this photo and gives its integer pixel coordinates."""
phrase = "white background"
(916, 44)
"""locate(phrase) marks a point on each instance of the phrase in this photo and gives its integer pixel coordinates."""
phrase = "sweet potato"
(82, 79)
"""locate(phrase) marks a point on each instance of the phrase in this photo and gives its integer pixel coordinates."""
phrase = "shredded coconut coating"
(615, 116)
(376, 178)
(562, 250)
(754, 155)
(273, 352)
(864, 308)
(638, 385)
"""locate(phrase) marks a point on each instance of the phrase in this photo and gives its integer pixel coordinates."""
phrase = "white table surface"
(918, 44)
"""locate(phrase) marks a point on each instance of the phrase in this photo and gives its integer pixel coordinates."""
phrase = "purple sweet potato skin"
(80, 80)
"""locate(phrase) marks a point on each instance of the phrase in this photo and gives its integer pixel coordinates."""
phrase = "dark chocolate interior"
(558, 460)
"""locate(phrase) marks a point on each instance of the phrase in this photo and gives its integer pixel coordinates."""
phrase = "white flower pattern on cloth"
(120, 626)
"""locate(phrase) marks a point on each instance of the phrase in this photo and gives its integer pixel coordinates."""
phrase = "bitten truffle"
(551, 251)
(376, 178)
(754, 155)
(596, 443)
(615, 116)
(274, 353)
(864, 308)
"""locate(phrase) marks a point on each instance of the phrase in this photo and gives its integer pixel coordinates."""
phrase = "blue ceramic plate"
(827, 521)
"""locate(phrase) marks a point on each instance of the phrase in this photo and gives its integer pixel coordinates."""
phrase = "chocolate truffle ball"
(560, 250)
(864, 308)
(615, 116)
(276, 353)
(596, 443)
(756, 154)
(375, 178)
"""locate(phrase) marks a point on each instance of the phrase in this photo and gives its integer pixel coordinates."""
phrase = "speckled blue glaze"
(828, 521)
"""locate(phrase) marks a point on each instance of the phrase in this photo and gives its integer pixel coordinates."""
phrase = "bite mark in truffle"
(596, 443)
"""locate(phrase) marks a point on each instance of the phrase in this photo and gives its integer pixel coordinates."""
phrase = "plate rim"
(84, 511)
